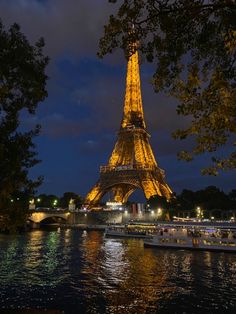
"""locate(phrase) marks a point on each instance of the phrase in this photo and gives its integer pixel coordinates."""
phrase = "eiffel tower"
(132, 164)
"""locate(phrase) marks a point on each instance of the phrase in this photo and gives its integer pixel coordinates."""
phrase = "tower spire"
(133, 108)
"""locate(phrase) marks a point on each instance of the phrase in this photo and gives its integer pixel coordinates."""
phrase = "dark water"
(80, 272)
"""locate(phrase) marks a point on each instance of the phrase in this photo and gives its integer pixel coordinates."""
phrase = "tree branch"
(213, 7)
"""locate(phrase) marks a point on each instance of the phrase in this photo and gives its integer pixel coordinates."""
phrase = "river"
(81, 272)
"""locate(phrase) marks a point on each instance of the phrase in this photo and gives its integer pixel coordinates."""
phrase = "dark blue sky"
(82, 114)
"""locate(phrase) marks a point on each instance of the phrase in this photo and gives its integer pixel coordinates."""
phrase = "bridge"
(53, 216)
(38, 217)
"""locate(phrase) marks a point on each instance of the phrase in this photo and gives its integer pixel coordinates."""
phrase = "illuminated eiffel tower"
(132, 164)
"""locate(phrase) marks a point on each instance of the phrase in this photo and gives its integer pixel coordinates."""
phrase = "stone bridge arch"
(38, 217)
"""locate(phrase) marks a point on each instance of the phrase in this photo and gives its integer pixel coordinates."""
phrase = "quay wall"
(87, 218)
(107, 217)
(95, 218)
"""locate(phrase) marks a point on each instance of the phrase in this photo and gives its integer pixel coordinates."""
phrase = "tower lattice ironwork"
(132, 164)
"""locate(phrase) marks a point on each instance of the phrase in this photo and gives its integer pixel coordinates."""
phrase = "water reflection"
(81, 272)
(129, 266)
(115, 266)
(8, 262)
(32, 249)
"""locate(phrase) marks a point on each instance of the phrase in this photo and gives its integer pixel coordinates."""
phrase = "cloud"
(53, 126)
(57, 126)
(71, 26)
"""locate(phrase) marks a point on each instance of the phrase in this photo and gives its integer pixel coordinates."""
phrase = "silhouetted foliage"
(232, 195)
(209, 200)
(157, 201)
(22, 87)
(53, 201)
(47, 201)
(67, 196)
(192, 44)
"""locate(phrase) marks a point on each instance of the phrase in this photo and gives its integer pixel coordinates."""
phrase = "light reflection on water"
(80, 272)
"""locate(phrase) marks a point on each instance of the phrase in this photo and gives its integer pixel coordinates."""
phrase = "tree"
(67, 196)
(208, 200)
(167, 207)
(212, 198)
(22, 87)
(157, 201)
(232, 195)
(47, 201)
(193, 44)
(187, 200)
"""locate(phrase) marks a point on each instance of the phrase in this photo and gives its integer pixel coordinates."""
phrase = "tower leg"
(152, 185)
(122, 192)
(95, 194)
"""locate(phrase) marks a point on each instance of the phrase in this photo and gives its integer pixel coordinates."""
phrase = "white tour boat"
(131, 230)
(195, 237)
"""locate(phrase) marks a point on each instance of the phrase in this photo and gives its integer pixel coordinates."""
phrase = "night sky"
(82, 114)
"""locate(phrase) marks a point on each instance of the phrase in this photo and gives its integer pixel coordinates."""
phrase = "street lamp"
(199, 212)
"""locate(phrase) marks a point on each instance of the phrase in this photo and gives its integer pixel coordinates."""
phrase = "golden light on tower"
(132, 164)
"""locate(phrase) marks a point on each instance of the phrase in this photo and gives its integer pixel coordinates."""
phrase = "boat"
(131, 230)
(195, 237)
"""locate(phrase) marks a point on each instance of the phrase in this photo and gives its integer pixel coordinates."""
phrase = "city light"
(199, 212)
